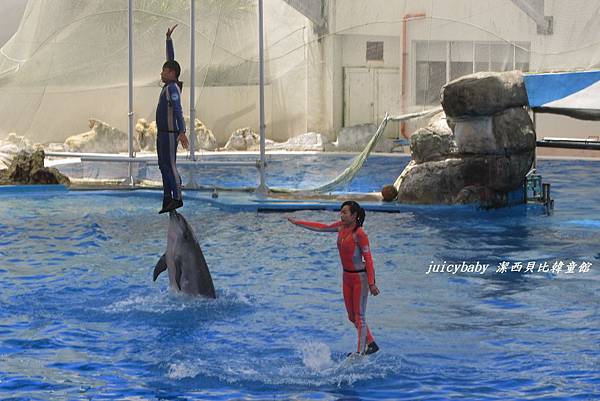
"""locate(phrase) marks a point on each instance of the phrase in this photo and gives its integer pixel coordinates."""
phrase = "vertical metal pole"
(448, 61)
(473, 69)
(130, 85)
(535, 132)
(191, 129)
(514, 66)
(262, 188)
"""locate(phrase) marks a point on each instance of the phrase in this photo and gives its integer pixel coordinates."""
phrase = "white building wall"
(354, 51)
(357, 21)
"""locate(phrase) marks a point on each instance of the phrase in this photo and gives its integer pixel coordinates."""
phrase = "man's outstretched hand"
(170, 31)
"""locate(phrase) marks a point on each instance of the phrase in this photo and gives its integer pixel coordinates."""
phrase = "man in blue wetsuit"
(171, 129)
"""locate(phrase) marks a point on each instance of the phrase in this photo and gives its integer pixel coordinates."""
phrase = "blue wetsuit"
(169, 123)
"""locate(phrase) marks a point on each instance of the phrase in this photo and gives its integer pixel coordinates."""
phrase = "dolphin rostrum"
(184, 260)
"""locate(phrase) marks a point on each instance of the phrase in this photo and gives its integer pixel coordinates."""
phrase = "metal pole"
(130, 85)
(192, 80)
(535, 133)
(262, 188)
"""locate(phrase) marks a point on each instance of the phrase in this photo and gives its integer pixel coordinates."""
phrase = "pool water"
(80, 317)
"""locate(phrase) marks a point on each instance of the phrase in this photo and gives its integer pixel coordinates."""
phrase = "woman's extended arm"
(315, 226)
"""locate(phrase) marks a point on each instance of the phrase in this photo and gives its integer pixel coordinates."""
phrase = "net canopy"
(330, 65)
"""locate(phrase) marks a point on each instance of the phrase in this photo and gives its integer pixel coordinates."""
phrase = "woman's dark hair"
(355, 208)
(174, 66)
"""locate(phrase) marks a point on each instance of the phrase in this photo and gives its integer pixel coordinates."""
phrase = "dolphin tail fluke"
(160, 267)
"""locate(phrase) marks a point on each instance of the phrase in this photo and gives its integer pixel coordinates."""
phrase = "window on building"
(437, 62)
(461, 59)
(481, 56)
(430, 76)
(430, 72)
(522, 57)
(374, 51)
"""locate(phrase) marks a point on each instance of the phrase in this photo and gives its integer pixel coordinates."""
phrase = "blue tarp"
(576, 94)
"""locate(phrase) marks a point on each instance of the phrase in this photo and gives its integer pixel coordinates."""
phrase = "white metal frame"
(132, 158)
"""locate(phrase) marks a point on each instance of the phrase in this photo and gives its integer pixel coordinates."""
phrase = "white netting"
(329, 64)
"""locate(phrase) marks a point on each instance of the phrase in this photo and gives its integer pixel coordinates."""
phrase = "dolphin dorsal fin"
(160, 267)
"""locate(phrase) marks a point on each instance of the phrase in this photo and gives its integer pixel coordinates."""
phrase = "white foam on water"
(313, 366)
(167, 301)
(181, 370)
(316, 356)
(136, 302)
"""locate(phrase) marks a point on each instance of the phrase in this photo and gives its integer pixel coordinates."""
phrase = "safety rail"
(590, 143)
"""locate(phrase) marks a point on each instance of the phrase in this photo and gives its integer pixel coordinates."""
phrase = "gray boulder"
(19, 141)
(434, 182)
(481, 154)
(513, 131)
(205, 139)
(474, 179)
(27, 167)
(431, 146)
(435, 142)
(242, 139)
(146, 134)
(101, 138)
(7, 153)
(483, 94)
(507, 132)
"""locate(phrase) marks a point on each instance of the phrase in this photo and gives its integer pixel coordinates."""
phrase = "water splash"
(316, 356)
(182, 370)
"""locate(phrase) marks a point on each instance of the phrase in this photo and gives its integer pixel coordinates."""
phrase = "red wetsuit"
(359, 273)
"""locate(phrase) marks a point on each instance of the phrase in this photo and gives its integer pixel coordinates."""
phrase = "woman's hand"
(170, 31)
(374, 290)
(291, 219)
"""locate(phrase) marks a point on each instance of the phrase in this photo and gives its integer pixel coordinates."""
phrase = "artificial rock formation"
(104, 138)
(101, 138)
(9, 148)
(478, 151)
(243, 139)
(205, 138)
(146, 134)
(483, 94)
(27, 167)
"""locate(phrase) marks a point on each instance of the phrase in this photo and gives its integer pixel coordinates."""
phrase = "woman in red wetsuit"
(359, 274)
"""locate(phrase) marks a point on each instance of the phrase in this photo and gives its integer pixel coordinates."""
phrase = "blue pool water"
(81, 319)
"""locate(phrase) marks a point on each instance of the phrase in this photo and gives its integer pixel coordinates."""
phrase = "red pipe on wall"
(407, 17)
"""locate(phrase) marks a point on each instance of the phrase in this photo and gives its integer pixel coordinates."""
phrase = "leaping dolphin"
(184, 260)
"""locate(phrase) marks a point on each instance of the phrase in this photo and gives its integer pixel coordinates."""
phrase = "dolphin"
(188, 272)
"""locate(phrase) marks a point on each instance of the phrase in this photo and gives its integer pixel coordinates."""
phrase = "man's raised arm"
(170, 48)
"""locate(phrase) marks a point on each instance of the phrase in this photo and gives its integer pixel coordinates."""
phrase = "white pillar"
(262, 187)
(192, 80)
(130, 114)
